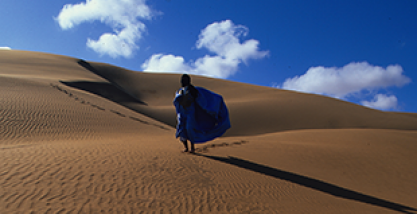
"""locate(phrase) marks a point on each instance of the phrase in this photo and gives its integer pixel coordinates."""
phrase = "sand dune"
(270, 109)
(86, 137)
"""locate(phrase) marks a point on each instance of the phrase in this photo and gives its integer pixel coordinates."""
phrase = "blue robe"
(204, 118)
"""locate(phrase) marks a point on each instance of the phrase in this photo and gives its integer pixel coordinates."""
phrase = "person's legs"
(185, 145)
(192, 148)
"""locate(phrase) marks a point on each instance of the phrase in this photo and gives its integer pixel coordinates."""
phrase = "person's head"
(185, 80)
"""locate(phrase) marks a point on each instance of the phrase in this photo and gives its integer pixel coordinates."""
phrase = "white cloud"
(121, 15)
(220, 38)
(165, 63)
(382, 101)
(352, 78)
(5, 48)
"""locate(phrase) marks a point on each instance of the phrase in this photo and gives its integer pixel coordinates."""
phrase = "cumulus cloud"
(382, 101)
(121, 15)
(5, 48)
(166, 63)
(351, 78)
(222, 38)
(219, 38)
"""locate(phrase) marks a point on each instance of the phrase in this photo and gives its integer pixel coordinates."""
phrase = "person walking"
(201, 114)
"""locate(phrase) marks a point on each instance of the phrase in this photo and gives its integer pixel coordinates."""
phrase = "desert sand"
(86, 137)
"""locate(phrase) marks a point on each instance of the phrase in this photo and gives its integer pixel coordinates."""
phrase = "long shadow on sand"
(312, 183)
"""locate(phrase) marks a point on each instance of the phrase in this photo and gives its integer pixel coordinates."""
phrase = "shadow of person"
(312, 183)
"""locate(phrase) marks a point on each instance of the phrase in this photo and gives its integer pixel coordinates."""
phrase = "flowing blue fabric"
(203, 118)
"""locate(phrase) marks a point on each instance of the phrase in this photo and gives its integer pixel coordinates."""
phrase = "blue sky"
(359, 51)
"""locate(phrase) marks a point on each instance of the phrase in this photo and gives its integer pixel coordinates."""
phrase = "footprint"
(147, 123)
(161, 127)
(139, 120)
(97, 107)
(82, 101)
(206, 148)
(118, 113)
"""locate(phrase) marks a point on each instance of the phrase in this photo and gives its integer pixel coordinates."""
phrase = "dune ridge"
(87, 137)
